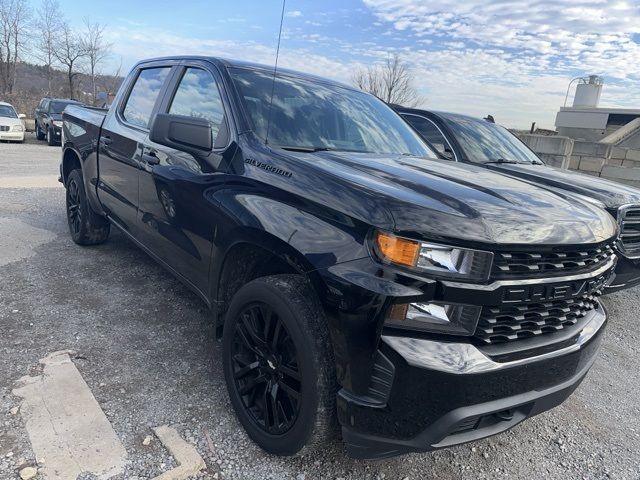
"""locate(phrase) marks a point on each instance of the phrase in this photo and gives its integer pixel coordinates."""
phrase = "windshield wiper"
(298, 148)
(502, 160)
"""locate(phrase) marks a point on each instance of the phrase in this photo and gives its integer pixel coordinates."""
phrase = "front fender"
(321, 244)
(323, 239)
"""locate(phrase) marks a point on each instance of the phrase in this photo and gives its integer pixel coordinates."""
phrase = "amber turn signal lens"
(398, 250)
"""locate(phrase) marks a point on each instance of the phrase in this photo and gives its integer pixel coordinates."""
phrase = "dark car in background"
(48, 118)
(466, 139)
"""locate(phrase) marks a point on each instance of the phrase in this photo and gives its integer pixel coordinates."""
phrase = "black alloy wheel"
(74, 212)
(278, 364)
(85, 226)
(265, 369)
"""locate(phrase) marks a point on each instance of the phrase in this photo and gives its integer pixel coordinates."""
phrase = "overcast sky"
(512, 59)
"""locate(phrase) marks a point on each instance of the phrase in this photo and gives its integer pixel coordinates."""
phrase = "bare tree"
(15, 18)
(49, 23)
(70, 52)
(97, 50)
(111, 82)
(391, 82)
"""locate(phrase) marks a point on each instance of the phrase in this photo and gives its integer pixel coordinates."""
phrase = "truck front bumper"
(56, 132)
(445, 393)
(627, 275)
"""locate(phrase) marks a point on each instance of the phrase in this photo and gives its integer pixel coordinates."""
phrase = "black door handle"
(150, 158)
(106, 140)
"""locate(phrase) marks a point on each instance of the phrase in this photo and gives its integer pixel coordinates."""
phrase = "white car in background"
(11, 125)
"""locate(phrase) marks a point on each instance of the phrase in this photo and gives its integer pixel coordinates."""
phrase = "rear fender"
(89, 167)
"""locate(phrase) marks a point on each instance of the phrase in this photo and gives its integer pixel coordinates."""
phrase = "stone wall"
(553, 150)
(591, 158)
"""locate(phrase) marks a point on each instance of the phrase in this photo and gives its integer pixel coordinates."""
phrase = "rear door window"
(143, 96)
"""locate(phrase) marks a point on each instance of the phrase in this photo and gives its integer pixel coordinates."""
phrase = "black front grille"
(4, 128)
(557, 262)
(630, 231)
(506, 323)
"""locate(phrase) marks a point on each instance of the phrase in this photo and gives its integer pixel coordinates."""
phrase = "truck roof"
(440, 113)
(231, 63)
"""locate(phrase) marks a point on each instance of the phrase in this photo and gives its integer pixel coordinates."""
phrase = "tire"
(50, 140)
(86, 226)
(301, 362)
(39, 134)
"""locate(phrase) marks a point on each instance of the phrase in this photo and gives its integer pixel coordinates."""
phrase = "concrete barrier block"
(544, 144)
(558, 161)
(633, 154)
(618, 152)
(574, 162)
(616, 162)
(622, 173)
(592, 164)
(591, 149)
(631, 163)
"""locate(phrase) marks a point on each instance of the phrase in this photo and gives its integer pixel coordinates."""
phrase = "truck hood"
(435, 199)
(611, 194)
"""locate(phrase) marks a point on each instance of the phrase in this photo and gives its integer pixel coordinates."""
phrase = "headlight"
(440, 260)
(17, 128)
(451, 319)
(57, 123)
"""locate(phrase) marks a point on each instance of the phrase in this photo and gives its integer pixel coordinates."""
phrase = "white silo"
(588, 92)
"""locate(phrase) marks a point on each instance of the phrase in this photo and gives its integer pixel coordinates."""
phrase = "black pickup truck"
(463, 138)
(355, 278)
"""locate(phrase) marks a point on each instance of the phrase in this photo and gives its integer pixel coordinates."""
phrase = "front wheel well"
(245, 262)
(70, 162)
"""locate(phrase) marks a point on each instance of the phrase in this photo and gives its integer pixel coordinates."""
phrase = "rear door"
(177, 212)
(123, 138)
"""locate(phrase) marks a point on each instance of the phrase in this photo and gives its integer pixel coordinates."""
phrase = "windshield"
(310, 115)
(7, 111)
(58, 107)
(483, 141)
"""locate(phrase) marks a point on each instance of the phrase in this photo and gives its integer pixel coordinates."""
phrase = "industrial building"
(586, 121)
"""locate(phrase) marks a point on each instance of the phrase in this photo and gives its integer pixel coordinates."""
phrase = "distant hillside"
(31, 85)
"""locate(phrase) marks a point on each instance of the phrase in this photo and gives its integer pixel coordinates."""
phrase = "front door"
(177, 214)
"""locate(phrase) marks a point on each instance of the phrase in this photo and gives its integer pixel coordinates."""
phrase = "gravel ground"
(145, 346)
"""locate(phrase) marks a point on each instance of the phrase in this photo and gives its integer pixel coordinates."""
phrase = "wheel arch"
(253, 254)
(70, 161)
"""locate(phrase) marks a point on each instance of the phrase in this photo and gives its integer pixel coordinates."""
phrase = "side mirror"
(188, 134)
(22, 116)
